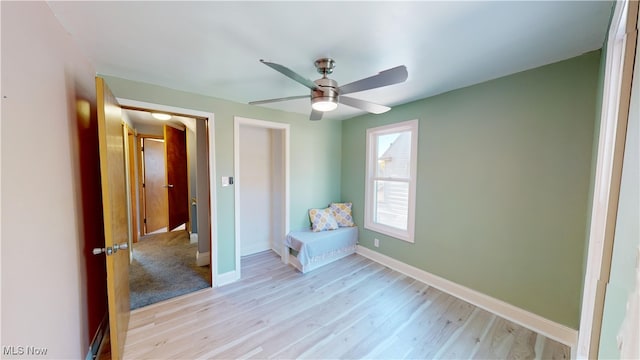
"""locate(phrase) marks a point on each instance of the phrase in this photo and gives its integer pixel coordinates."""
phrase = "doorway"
(164, 260)
(167, 251)
(164, 174)
(261, 163)
(154, 209)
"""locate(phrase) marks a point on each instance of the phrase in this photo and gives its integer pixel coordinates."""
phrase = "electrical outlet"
(376, 242)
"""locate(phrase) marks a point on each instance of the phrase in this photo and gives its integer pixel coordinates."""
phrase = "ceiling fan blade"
(315, 115)
(363, 105)
(291, 74)
(391, 76)
(278, 99)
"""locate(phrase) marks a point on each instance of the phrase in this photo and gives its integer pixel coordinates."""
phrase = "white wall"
(255, 189)
(42, 249)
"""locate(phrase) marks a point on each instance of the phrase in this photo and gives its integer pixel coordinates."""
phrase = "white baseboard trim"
(227, 278)
(203, 259)
(537, 323)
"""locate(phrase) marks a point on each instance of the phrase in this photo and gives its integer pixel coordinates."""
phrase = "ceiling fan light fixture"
(324, 104)
(161, 116)
(326, 93)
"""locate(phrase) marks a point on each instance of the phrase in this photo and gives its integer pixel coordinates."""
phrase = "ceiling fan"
(326, 94)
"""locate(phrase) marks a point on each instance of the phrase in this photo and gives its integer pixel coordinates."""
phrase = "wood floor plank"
(524, 344)
(218, 297)
(260, 263)
(355, 326)
(352, 308)
(383, 335)
(320, 305)
(152, 313)
(348, 333)
(453, 318)
(422, 331)
(464, 342)
(321, 313)
(553, 350)
(235, 320)
(403, 341)
(498, 342)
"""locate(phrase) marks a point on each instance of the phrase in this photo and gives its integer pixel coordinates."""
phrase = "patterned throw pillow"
(342, 213)
(322, 219)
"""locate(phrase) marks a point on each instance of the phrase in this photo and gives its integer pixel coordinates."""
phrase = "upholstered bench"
(315, 249)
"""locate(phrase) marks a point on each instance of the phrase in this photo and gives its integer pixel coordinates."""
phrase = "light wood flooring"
(352, 308)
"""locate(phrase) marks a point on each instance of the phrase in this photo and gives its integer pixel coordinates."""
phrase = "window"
(391, 179)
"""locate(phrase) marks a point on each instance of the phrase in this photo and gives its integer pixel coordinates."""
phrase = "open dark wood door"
(177, 179)
(114, 204)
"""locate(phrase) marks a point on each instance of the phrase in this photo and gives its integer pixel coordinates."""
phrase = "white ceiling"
(213, 48)
(144, 118)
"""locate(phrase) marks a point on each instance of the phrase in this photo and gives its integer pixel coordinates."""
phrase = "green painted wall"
(315, 155)
(503, 179)
(626, 243)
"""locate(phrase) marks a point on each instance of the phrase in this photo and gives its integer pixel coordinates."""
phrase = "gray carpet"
(163, 267)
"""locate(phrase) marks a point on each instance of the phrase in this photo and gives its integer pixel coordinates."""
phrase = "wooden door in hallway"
(114, 203)
(175, 142)
(155, 191)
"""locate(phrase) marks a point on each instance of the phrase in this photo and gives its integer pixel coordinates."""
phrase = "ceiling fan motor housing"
(328, 90)
(325, 96)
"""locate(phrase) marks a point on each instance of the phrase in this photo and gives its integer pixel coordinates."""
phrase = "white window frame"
(370, 177)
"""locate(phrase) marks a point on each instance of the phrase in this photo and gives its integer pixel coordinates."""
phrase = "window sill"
(389, 231)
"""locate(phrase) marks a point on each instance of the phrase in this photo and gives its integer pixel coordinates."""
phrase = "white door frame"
(606, 188)
(213, 246)
(237, 122)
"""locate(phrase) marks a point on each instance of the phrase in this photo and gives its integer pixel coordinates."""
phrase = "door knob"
(98, 251)
(110, 250)
(168, 186)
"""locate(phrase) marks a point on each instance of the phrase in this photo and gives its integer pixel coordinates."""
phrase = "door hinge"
(145, 220)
